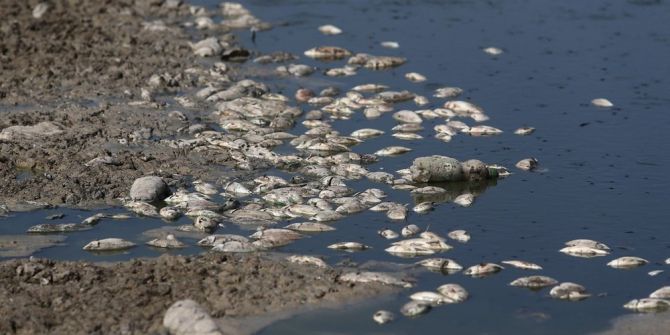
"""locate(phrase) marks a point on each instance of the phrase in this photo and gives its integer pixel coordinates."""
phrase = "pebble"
(40, 10)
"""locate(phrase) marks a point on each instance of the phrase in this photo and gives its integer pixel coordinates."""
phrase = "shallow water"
(604, 170)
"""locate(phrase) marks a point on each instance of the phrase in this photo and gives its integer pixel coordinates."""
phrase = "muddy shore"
(131, 297)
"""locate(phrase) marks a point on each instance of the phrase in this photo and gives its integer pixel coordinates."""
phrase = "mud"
(132, 297)
(83, 66)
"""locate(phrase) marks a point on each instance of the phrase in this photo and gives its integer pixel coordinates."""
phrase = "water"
(606, 169)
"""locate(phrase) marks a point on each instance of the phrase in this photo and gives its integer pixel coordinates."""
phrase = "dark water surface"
(605, 171)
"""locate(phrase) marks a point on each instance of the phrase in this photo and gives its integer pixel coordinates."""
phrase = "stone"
(187, 317)
(150, 188)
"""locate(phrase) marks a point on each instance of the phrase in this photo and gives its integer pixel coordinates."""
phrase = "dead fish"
(463, 107)
(429, 235)
(627, 262)
(351, 207)
(655, 273)
(310, 227)
(407, 136)
(380, 177)
(383, 317)
(169, 242)
(406, 116)
(429, 190)
(353, 246)
(388, 234)
(278, 235)
(205, 188)
(398, 212)
(170, 213)
(212, 240)
(307, 260)
(370, 88)
(237, 189)
(569, 291)
(326, 216)
(447, 92)
(436, 245)
(390, 44)
(373, 277)
(330, 29)
(464, 200)
(522, 265)
(94, 219)
(392, 151)
(528, 164)
(58, 228)
(602, 102)
(583, 251)
(301, 210)
(383, 62)
(459, 235)
(410, 230)
(454, 292)
(415, 77)
(534, 282)
(523, 131)
(367, 133)
(493, 51)
(661, 293)
(647, 305)
(235, 246)
(384, 206)
(432, 298)
(423, 208)
(108, 244)
(440, 264)
(408, 127)
(483, 131)
(142, 208)
(420, 100)
(482, 269)
(588, 243)
(414, 308)
(406, 250)
(204, 223)
(327, 52)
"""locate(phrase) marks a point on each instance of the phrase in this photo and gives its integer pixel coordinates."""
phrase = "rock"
(149, 188)
(436, 168)
(41, 129)
(186, 317)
